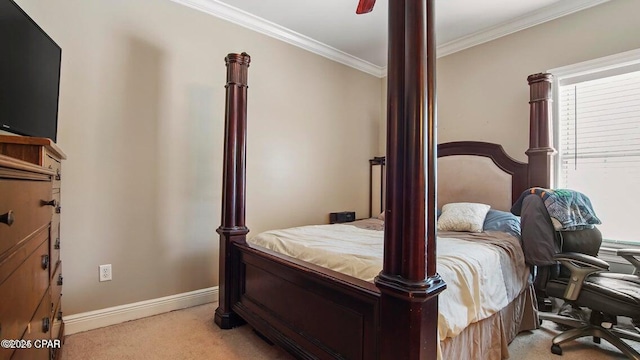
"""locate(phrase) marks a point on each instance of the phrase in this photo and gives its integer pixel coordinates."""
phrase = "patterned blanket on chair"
(571, 208)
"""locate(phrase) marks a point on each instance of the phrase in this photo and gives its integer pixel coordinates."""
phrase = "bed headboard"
(471, 171)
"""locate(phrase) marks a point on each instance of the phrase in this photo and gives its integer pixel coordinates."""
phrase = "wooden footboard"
(310, 311)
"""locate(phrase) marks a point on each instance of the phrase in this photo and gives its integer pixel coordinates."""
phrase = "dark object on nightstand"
(342, 217)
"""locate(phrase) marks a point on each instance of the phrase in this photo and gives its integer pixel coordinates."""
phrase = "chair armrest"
(580, 265)
(622, 252)
(630, 256)
(583, 259)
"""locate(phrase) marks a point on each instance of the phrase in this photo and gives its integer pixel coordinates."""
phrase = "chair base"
(582, 328)
(545, 304)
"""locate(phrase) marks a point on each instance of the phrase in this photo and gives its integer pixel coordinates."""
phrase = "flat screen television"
(29, 75)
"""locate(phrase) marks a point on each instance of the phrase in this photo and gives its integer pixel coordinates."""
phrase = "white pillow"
(463, 217)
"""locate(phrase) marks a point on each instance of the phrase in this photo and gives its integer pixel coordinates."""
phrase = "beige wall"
(483, 92)
(141, 120)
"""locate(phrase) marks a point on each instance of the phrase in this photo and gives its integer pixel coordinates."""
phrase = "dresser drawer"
(55, 242)
(24, 200)
(53, 164)
(39, 329)
(56, 285)
(23, 287)
(57, 333)
(56, 328)
(57, 209)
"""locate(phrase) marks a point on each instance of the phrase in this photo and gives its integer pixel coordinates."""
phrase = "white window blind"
(598, 130)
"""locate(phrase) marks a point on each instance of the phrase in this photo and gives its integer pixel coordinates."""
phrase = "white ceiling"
(331, 27)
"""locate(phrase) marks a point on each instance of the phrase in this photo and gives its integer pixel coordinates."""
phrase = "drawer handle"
(7, 218)
(49, 203)
(58, 176)
(45, 324)
(57, 244)
(45, 262)
(60, 278)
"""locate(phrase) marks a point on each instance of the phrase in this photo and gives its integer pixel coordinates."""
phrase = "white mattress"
(481, 278)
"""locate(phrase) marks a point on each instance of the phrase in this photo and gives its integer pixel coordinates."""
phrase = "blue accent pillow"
(497, 220)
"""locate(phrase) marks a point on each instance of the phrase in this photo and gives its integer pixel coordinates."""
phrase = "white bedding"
(481, 278)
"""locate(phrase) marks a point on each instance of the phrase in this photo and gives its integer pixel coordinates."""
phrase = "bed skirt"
(489, 339)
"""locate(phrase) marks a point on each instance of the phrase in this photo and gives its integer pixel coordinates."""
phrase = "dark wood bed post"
(408, 282)
(376, 161)
(541, 149)
(232, 228)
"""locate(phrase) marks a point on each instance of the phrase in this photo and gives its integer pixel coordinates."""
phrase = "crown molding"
(245, 19)
(560, 9)
(625, 59)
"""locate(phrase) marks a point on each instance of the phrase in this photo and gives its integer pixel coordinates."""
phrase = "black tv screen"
(29, 75)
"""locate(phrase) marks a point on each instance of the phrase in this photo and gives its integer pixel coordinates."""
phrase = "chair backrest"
(586, 241)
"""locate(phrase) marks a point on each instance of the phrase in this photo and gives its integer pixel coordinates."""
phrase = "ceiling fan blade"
(365, 6)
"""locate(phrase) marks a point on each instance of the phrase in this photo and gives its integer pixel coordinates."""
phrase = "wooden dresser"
(30, 265)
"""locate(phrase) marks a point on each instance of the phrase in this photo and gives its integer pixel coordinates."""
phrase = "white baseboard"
(114, 315)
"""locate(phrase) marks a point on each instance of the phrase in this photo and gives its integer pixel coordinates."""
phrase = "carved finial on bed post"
(408, 283)
(232, 228)
(541, 149)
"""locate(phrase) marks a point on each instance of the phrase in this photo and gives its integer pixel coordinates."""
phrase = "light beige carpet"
(191, 334)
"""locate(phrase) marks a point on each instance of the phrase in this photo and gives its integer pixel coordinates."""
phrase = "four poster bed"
(317, 313)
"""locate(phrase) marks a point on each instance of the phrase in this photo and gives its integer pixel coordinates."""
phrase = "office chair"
(541, 241)
(607, 295)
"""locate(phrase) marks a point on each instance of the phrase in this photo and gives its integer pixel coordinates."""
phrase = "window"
(597, 135)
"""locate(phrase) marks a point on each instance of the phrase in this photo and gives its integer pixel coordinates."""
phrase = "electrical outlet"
(105, 272)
